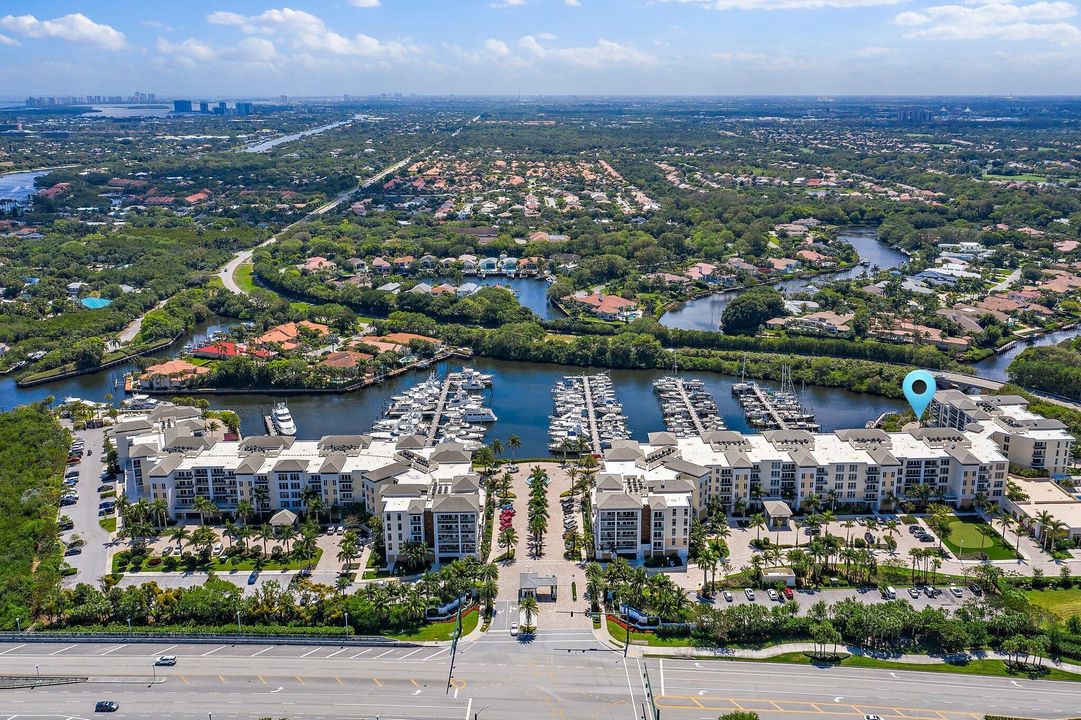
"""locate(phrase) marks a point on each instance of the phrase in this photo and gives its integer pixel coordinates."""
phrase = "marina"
(587, 417)
(451, 409)
(774, 409)
(688, 408)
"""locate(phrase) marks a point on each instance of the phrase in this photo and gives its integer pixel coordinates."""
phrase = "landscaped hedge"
(258, 630)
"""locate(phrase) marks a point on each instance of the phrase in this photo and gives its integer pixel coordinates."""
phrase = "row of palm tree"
(538, 510)
(621, 584)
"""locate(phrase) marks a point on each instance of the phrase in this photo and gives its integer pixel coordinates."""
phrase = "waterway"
(994, 367)
(265, 145)
(130, 111)
(531, 292)
(705, 313)
(521, 397)
(19, 186)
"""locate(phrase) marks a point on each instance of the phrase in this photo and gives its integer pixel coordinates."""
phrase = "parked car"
(514, 629)
(914, 592)
(68, 500)
(727, 596)
(930, 591)
(63, 525)
(106, 706)
(749, 592)
(773, 596)
(253, 577)
(105, 488)
(975, 589)
(787, 592)
(73, 550)
(71, 482)
(218, 548)
(167, 551)
(956, 591)
(341, 530)
(166, 661)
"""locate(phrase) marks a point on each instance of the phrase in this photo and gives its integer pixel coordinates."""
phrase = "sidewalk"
(775, 650)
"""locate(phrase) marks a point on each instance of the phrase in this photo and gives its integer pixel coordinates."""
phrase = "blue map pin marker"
(919, 387)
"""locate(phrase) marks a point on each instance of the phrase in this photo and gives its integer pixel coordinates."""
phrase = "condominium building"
(1027, 439)
(647, 493)
(424, 494)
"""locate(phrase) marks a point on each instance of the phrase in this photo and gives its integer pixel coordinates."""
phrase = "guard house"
(778, 513)
(531, 584)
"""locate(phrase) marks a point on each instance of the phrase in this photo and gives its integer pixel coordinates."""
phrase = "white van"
(889, 593)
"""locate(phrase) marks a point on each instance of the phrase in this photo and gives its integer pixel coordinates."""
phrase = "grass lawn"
(618, 632)
(442, 630)
(996, 668)
(1063, 603)
(967, 539)
(243, 277)
(108, 524)
(1026, 177)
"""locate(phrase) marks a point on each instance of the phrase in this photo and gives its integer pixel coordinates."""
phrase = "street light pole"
(239, 629)
(345, 627)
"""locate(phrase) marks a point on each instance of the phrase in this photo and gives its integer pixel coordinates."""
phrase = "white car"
(341, 530)
(514, 629)
(914, 592)
(166, 661)
(773, 595)
(727, 596)
(167, 551)
(218, 548)
(956, 591)
(749, 592)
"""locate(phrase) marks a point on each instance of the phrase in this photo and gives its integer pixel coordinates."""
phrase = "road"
(92, 562)
(495, 678)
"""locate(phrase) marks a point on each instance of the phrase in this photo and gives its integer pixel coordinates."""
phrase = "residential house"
(171, 375)
(606, 307)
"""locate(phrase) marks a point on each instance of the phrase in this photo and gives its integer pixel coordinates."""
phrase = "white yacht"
(477, 414)
(283, 421)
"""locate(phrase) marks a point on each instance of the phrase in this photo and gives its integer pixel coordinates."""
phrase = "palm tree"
(707, 560)
(160, 509)
(487, 591)
(230, 531)
(414, 554)
(244, 511)
(514, 442)
(758, 521)
(848, 525)
(265, 533)
(179, 535)
(529, 605)
(342, 583)
(287, 535)
(262, 498)
(204, 506)
(508, 538)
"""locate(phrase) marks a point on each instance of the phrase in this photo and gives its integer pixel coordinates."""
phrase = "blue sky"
(655, 47)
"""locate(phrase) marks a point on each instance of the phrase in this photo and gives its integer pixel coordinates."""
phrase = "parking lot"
(92, 558)
(871, 596)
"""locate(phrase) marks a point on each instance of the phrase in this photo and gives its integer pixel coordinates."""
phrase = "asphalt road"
(496, 677)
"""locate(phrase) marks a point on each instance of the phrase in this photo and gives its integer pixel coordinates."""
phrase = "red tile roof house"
(404, 264)
(317, 263)
(783, 264)
(607, 307)
(217, 351)
(170, 375)
(702, 271)
(380, 265)
(345, 359)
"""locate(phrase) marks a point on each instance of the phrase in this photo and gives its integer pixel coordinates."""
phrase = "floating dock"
(587, 415)
(687, 406)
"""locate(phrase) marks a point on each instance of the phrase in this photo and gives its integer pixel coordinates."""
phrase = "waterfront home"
(703, 271)
(404, 338)
(508, 265)
(404, 264)
(288, 335)
(390, 287)
(220, 350)
(381, 266)
(344, 359)
(469, 262)
(824, 322)
(467, 289)
(427, 262)
(782, 264)
(740, 264)
(444, 289)
(668, 278)
(171, 375)
(606, 307)
(488, 264)
(814, 258)
(421, 288)
(904, 331)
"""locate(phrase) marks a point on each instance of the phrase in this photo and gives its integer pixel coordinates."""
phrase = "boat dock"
(437, 414)
(587, 415)
(268, 422)
(687, 406)
(774, 409)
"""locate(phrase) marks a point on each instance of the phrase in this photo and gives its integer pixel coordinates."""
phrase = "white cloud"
(496, 48)
(308, 33)
(998, 19)
(191, 50)
(872, 51)
(365, 3)
(507, 3)
(572, 3)
(75, 27)
(780, 4)
(604, 54)
(5, 40)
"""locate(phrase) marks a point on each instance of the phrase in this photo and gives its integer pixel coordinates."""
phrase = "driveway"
(92, 563)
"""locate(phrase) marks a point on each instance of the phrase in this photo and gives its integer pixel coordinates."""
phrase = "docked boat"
(283, 420)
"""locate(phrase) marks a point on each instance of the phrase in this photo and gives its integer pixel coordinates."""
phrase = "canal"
(19, 186)
(705, 313)
(994, 367)
(520, 396)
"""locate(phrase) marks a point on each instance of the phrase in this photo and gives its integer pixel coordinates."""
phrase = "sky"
(258, 48)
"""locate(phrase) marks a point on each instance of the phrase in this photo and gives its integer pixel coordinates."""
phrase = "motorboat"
(283, 420)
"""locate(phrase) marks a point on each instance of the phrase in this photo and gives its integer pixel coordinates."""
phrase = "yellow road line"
(376, 681)
(415, 683)
(300, 680)
(222, 678)
(339, 681)
(262, 679)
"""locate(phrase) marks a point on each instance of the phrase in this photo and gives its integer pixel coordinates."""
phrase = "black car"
(975, 589)
(65, 525)
(73, 550)
(106, 706)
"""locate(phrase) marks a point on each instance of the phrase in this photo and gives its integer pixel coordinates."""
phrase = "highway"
(498, 677)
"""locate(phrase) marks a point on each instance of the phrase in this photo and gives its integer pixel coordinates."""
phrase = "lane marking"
(310, 652)
(211, 652)
(662, 677)
(164, 651)
(630, 690)
(118, 647)
(57, 652)
(263, 651)
(376, 681)
(437, 653)
(351, 657)
(339, 652)
(12, 649)
(388, 652)
(403, 657)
